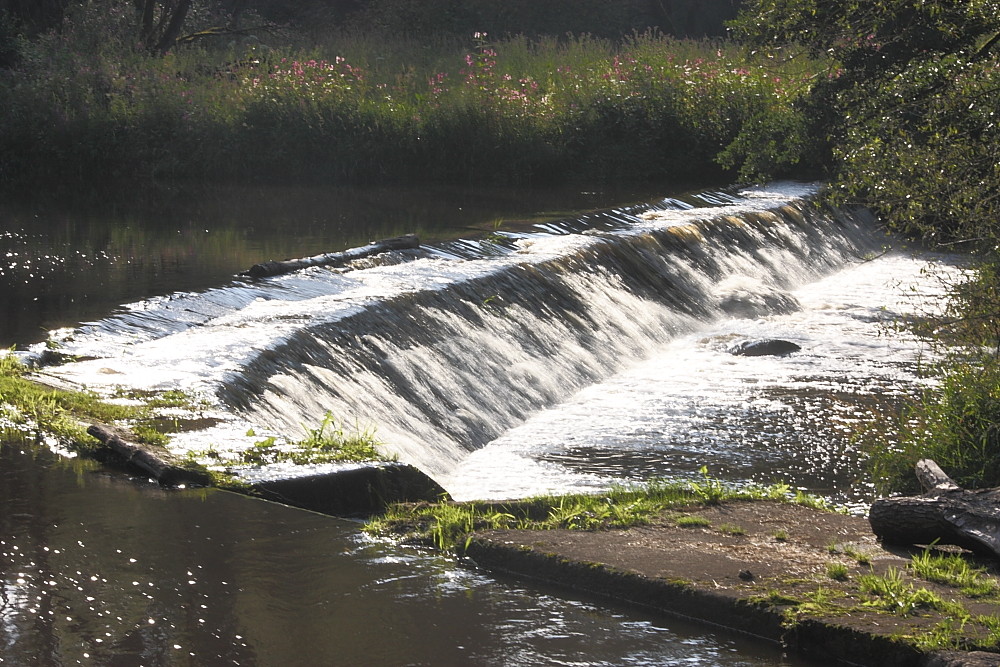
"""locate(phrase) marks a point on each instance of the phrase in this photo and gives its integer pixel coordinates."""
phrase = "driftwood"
(154, 461)
(274, 268)
(945, 514)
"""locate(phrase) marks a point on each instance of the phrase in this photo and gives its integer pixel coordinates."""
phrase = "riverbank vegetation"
(87, 105)
(903, 119)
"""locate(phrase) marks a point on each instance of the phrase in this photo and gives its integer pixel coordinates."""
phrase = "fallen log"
(945, 514)
(154, 461)
(274, 268)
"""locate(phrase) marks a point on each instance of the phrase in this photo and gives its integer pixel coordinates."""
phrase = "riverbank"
(817, 582)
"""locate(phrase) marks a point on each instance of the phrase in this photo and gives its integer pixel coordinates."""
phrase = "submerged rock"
(760, 348)
(744, 298)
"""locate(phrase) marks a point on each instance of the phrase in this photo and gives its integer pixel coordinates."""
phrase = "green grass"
(953, 570)
(446, 524)
(35, 411)
(991, 624)
(330, 442)
(891, 593)
(850, 551)
(837, 571)
(731, 529)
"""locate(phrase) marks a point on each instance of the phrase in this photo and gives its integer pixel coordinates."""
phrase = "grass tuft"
(330, 442)
(953, 570)
(693, 522)
(891, 593)
(837, 571)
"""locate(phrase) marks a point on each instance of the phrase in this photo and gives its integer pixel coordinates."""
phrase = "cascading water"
(447, 349)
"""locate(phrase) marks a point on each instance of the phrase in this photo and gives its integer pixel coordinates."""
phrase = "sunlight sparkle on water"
(694, 404)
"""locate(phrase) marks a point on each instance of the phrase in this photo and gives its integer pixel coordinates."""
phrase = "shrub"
(957, 424)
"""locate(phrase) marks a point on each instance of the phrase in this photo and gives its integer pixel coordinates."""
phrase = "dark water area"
(97, 569)
(62, 266)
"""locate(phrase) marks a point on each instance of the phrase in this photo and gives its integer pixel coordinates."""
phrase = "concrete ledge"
(359, 491)
(762, 573)
(674, 598)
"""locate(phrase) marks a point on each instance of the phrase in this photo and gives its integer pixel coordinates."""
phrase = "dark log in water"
(154, 461)
(945, 514)
(273, 268)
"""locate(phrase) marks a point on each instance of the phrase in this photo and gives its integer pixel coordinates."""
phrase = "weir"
(444, 350)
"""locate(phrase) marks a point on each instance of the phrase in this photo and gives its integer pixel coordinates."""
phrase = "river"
(100, 569)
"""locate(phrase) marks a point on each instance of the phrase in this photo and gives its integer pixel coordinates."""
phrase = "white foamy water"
(602, 337)
(789, 419)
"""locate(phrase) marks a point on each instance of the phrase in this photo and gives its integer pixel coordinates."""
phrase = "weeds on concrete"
(693, 522)
(619, 507)
(32, 412)
(953, 570)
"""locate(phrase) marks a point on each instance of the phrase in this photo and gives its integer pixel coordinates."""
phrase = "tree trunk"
(944, 514)
(173, 29)
(146, 23)
(273, 268)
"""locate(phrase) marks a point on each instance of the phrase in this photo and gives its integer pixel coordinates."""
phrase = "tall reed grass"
(84, 108)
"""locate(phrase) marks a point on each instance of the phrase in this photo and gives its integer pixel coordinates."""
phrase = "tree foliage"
(905, 116)
(156, 26)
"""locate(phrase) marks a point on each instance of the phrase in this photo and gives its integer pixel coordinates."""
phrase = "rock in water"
(760, 348)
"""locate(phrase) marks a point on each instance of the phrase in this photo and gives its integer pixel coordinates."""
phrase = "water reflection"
(101, 571)
(60, 267)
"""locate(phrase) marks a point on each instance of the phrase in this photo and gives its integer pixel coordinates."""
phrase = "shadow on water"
(99, 570)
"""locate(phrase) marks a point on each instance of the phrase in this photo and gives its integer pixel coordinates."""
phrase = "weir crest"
(445, 349)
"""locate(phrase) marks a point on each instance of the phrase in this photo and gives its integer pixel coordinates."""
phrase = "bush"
(957, 424)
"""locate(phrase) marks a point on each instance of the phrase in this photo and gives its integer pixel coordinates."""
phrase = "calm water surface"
(100, 570)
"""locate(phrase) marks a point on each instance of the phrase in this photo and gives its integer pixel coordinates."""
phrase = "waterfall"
(444, 351)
